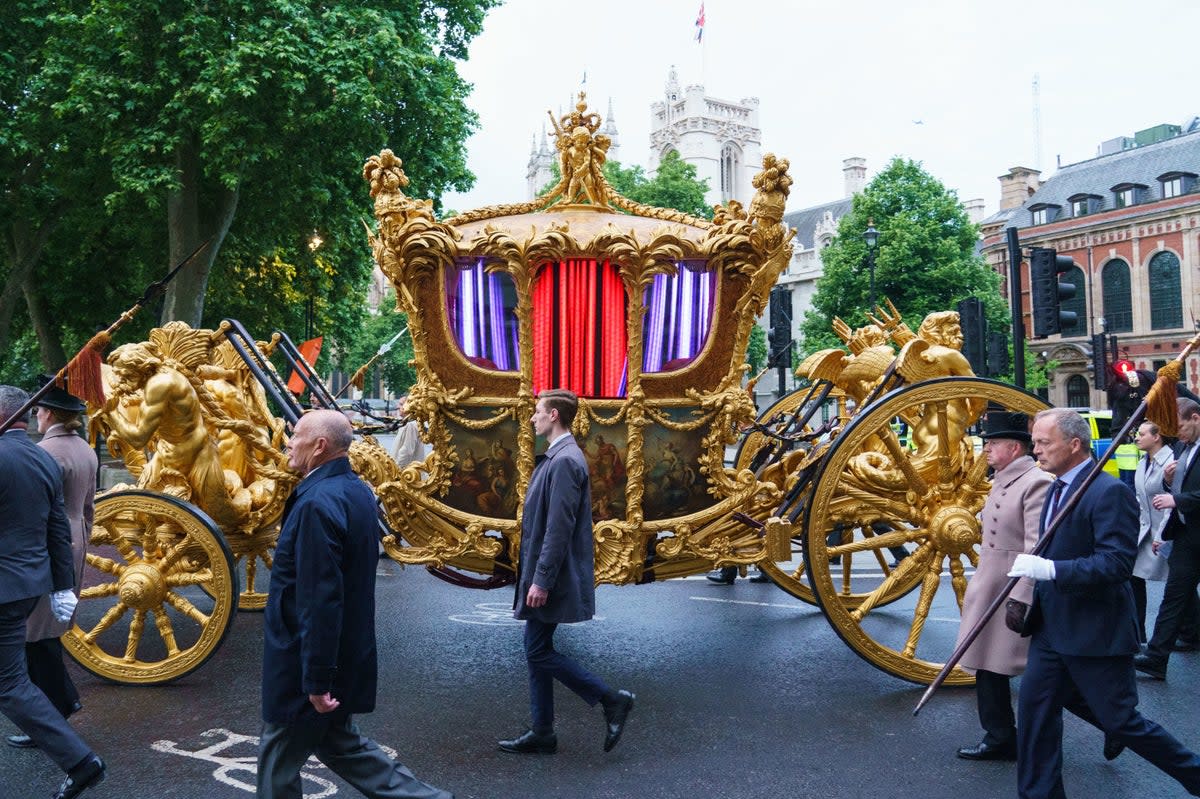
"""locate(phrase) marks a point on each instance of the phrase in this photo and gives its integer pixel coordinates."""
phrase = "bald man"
(319, 663)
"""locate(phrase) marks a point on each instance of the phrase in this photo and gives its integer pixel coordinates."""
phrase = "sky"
(949, 84)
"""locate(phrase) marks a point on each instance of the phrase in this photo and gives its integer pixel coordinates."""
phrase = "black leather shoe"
(985, 751)
(531, 743)
(1185, 645)
(21, 742)
(722, 576)
(88, 774)
(1112, 748)
(1155, 669)
(761, 577)
(615, 714)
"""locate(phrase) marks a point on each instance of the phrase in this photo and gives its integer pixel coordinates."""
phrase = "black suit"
(1084, 639)
(1183, 563)
(35, 559)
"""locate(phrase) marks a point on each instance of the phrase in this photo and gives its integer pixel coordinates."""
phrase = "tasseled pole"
(82, 373)
(1160, 400)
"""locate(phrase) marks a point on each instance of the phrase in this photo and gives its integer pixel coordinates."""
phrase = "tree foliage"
(674, 185)
(153, 128)
(925, 259)
(393, 366)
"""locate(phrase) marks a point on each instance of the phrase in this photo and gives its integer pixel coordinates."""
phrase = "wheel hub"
(954, 530)
(141, 587)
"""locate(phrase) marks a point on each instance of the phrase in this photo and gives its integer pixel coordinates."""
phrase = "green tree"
(393, 366)
(756, 351)
(674, 185)
(925, 260)
(252, 117)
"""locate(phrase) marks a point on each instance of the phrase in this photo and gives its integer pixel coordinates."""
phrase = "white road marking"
(798, 604)
(495, 614)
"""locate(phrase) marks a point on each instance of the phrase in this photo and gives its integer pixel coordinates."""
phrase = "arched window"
(1118, 306)
(731, 162)
(1166, 304)
(1078, 393)
(1078, 303)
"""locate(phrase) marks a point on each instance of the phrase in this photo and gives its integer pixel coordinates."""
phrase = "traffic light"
(974, 325)
(1100, 362)
(997, 354)
(1122, 367)
(1047, 293)
(780, 315)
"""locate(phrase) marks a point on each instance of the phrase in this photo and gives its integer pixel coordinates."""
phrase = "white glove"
(1033, 567)
(62, 604)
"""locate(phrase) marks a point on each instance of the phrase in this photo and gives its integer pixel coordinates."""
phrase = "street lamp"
(871, 237)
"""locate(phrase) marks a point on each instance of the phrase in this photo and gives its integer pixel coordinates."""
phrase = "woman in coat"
(1151, 563)
(59, 418)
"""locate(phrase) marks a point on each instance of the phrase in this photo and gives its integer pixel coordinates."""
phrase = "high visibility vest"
(1127, 456)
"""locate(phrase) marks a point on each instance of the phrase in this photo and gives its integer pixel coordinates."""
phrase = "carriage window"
(480, 309)
(679, 312)
(579, 339)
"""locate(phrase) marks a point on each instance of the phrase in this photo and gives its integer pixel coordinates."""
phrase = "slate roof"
(805, 220)
(1141, 165)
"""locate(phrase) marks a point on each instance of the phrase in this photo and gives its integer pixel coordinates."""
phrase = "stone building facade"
(1130, 219)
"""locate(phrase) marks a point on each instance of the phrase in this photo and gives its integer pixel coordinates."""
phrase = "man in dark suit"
(1182, 478)
(35, 560)
(557, 582)
(1082, 620)
(319, 658)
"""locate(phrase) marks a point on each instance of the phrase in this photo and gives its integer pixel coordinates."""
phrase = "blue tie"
(1055, 495)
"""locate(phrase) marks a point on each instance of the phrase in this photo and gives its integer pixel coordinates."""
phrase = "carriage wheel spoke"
(189, 578)
(958, 580)
(929, 587)
(186, 608)
(136, 625)
(165, 630)
(100, 591)
(914, 562)
(104, 564)
(108, 620)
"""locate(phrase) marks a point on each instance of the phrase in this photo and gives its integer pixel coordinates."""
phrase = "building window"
(1039, 217)
(1172, 188)
(1079, 207)
(1118, 302)
(1078, 303)
(1079, 395)
(1124, 198)
(1166, 303)
(730, 167)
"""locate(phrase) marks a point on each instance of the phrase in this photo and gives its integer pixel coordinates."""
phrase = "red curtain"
(579, 328)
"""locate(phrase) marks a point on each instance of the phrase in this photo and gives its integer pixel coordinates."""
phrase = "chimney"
(1018, 186)
(855, 172)
(974, 209)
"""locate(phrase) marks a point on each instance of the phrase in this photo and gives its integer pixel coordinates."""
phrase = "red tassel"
(83, 372)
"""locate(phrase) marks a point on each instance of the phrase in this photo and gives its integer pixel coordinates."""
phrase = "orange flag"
(309, 351)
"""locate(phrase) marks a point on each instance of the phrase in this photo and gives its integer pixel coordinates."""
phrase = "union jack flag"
(700, 23)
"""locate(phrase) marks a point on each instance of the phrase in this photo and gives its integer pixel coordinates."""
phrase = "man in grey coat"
(557, 583)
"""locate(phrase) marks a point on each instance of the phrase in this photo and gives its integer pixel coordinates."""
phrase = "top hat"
(58, 398)
(1002, 424)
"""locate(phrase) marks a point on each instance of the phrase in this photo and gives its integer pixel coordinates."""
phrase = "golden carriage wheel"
(929, 504)
(791, 574)
(159, 590)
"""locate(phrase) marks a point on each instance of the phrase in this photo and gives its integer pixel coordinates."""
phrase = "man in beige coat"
(1010, 519)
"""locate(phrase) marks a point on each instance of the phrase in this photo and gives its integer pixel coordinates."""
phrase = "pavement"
(742, 691)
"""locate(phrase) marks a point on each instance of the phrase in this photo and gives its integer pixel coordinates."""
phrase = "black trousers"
(22, 702)
(48, 672)
(1108, 687)
(1178, 596)
(336, 741)
(993, 696)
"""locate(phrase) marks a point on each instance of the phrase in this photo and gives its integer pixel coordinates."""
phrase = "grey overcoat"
(78, 463)
(556, 537)
(1148, 481)
(1011, 517)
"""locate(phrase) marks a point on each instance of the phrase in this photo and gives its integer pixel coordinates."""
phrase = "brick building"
(1130, 219)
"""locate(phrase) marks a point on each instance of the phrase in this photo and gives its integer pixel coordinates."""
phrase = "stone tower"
(720, 138)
